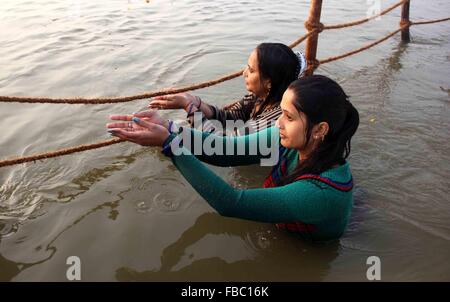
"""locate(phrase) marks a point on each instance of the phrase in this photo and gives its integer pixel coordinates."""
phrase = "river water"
(127, 213)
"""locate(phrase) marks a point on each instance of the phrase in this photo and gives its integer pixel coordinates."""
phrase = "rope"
(403, 25)
(358, 22)
(430, 22)
(314, 27)
(80, 148)
(300, 40)
(347, 54)
(15, 99)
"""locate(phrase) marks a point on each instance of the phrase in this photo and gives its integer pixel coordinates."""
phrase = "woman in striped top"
(271, 68)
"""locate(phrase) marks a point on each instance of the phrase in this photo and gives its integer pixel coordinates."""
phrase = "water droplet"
(167, 202)
(142, 207)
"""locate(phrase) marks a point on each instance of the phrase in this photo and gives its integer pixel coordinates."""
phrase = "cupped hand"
(172, 101)
(139, 131)
(148, 115)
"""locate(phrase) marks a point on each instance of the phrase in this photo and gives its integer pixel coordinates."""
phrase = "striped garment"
(243, 111)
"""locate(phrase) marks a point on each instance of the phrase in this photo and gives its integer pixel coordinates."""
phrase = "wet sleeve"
(235, 111)
(239, 110)
(260, 147)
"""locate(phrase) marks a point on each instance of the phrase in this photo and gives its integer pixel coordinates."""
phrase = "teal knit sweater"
(324, 208)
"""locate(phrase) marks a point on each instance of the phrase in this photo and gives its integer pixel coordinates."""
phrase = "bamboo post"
(405, 21)
(313, 23)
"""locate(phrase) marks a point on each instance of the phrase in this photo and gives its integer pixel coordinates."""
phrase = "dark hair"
(322, 100)
(278, 63)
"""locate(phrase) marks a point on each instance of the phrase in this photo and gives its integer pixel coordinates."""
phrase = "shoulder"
(336, 180)
(265, 119)
(247, 100)
(272, 110)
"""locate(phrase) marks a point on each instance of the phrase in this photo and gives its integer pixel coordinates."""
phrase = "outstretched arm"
(298, 201)
(236, 111)
(190, 103)
(149, 129)
(224, 151)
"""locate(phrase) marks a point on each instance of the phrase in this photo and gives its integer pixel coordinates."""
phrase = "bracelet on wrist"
(170, 126)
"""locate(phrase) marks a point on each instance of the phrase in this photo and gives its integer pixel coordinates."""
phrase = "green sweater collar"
(340, 174)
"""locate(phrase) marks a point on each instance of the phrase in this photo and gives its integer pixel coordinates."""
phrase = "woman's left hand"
(142, 132)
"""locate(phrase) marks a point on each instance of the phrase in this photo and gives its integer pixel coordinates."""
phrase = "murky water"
(128, 214)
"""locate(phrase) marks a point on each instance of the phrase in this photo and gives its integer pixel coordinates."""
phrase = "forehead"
(287, 102)
(253, 59)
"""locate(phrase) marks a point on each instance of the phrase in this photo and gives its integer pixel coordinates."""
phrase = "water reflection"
(10, 269)
(277, 255)
(85, 181)
(398, 158)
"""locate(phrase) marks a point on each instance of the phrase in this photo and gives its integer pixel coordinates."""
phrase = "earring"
(268, 90)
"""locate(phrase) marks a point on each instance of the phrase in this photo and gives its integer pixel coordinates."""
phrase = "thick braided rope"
(104, 100)
(358, 22)
(403, 26)
(9, 99)
(300, 40)
(430, 21)
(350, 53)
(14, 99)
(19, 160)
(80, 148)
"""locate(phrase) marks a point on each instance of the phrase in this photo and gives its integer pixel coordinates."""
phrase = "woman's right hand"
(173, 101)
(149, 116)
(143, 132)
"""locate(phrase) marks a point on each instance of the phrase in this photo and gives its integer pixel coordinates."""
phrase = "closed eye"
(287, 115)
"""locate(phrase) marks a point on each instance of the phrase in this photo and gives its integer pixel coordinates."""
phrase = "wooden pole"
(313, 22)
(405, 21)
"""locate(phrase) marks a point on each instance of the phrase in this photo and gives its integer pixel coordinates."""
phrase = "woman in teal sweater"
(310, 188)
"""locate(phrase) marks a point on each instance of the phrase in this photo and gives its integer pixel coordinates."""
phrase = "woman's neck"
(302, 155)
